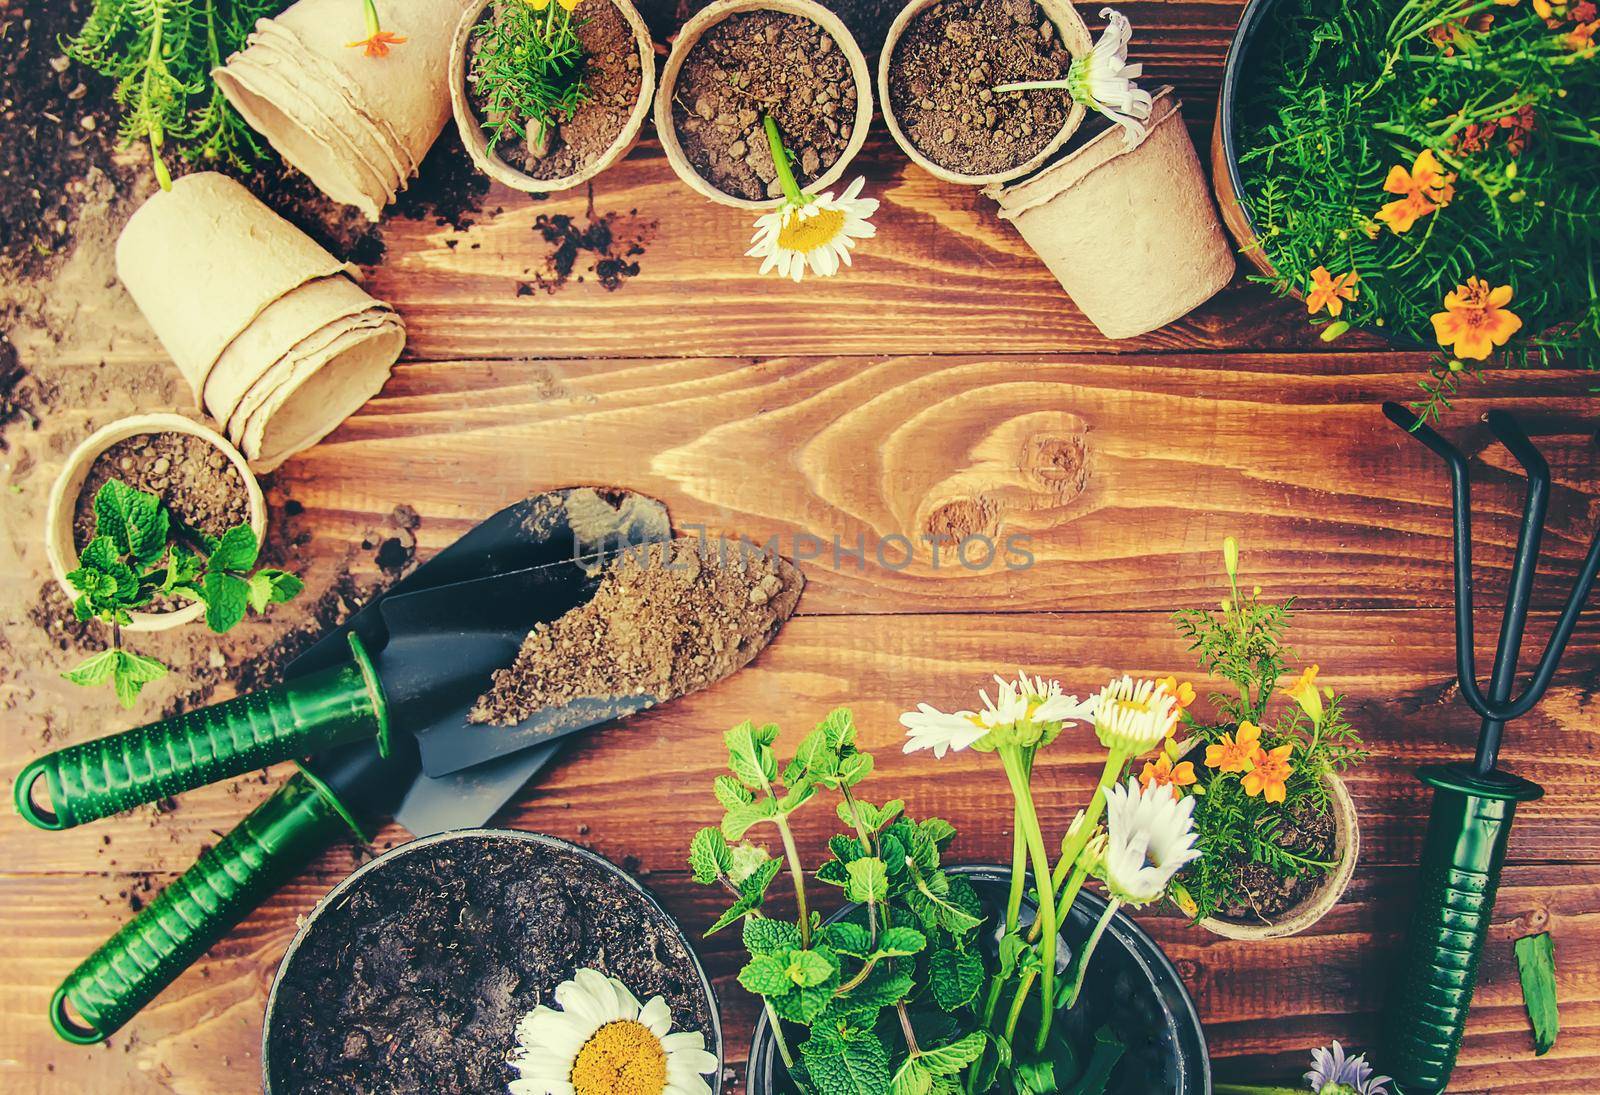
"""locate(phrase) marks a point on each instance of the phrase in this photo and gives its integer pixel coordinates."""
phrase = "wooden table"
(943, 384)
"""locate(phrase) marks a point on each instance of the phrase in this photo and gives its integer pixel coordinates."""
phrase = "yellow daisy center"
(809, 233)
(621, 1058)
(1138, 707)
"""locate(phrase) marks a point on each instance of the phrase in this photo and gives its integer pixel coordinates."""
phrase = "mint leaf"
(868, 880)
(852, 1061)
(136, 522)
(740, 819)
(955, 976)
(900, 942)
(804, 1005)
(227, 597)
(747, 859)
(731, 793)
(132, 673)
(94, 670)
(913, 1078)
(938, 830)
(766, 975)
(237, 550)
(752, 891)
(709, 856)
(811, 968)
(843, 937)
(273, 587)
(765, 935)
(750, 754)
(1536, 968)
(951, 1059)
(882, 988)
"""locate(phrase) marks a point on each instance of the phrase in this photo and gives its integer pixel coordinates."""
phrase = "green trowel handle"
(294, 719)
(275, 842)
(1462, 856)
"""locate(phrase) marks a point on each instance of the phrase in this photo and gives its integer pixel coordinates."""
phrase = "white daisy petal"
(1149, 838)
(793, 238)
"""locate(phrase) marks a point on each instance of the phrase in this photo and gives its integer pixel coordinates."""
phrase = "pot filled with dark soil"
(554, 124)
(936, 75)
(417, 971)
(738, 61)
(1132, 988)
(1273, 907)
(203, 482)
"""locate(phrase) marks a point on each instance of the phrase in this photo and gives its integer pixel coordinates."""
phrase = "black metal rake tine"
(1497, 708)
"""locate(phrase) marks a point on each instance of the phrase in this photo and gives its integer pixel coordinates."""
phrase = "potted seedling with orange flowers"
(1275, 824)
(1427, 169)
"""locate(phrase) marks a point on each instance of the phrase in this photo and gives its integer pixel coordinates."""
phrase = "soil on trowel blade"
(415, 981)
(198, 484)
(659, 624)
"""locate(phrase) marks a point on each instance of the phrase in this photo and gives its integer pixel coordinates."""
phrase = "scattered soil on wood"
(1305, 833)
(611, 78)
(198, 484)
(755, 63)
(416, 980)
(613, 244)
(663, 621)
(943, 71)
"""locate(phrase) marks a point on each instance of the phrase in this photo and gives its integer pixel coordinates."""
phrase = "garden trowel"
(366, 693)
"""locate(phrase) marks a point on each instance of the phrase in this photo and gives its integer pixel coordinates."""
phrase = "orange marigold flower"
(1163, 773)
(1475, 319)
(1581, 37)
(377, 45)
(1331, 292)
(1304, 692)
(1424, 189)
(1184, 692)
(1235, 752)
(1269, 772)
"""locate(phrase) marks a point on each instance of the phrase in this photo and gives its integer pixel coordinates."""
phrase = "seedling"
(528, 67)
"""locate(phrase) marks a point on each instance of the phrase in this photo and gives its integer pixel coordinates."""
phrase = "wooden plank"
(620, 781)
(1263, 1006)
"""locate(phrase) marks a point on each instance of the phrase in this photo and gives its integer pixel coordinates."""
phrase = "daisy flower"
(1131, 716)
(1333, 1073)
(603, 1042)
(929, 728)
(1026, 711)
(1149, 838)
(1103, 80)
(809, 231)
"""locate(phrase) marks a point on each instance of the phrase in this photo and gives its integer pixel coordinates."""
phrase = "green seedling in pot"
(139, 552)
(528, 67)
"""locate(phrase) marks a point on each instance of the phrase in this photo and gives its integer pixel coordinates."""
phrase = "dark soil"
(611, 78)
(867, 20)
(658, 625)
(944, 69)
(197, 484)
(612, 243)
(415, 982)
(1306, 833)
(755, 63)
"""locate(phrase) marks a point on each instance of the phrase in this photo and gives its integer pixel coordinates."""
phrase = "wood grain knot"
(1058, 463)
(960, 518)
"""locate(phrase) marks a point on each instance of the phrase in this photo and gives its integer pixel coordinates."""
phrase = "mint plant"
(140, 551)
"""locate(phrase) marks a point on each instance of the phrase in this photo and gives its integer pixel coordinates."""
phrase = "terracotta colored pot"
(1346, 846)
(477, 144)
(692, 32)
(59, 544)
(1074, 35)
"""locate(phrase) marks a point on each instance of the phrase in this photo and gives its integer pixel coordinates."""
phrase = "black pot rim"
(511, 835)
(1227, 104)
(1124, 928)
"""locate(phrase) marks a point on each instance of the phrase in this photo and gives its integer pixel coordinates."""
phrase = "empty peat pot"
(1321, 899)
(620, 77)
(1131, 985)
(413, 973)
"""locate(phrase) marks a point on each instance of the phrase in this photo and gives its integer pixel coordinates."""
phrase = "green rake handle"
(297, 718)
(269, 846)
(1462, 857)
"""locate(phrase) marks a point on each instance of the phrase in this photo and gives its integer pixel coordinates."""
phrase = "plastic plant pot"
(692, 32)
(1131, 985)
(59, 544)
(1225, 150)
(477, 144)
(336, 898)
(1346, 846)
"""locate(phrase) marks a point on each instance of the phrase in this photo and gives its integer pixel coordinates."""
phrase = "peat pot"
(493, 163)
(516, 911)
(1131, 984)
(1347, 848)
(59, 544)
(858, 117)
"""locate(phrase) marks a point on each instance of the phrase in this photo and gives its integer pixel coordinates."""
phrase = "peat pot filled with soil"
(203, 482)
(553, 124)
(738, 62)
(937, 72)
(1277, 907)
(414, 973)
(1132, 988)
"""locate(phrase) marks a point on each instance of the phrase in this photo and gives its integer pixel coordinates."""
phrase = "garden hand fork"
(1473, 804)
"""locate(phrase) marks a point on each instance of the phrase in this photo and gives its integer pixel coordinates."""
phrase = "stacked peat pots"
(736, 58)
(277, 342)
(356, 126)
(620, 81)
(1126, 224)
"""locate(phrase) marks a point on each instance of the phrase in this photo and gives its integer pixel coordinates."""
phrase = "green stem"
(1081, 967)
(1019, 879)
(1073, 849)
(156, 63)
(370, 9)
(1035, 85)
(780, 160)
(777, 1035)
(1028, 816)
(792, 854)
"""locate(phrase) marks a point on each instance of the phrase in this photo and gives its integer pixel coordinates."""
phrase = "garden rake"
(1473, 803)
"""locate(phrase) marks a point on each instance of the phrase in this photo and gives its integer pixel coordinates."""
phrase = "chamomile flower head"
(1103, 80)
(1334, 1073)
(1028, 711)
(1131, 716)
(929, 728)
(1149, 839)
(815, 233)
(602, 1041)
